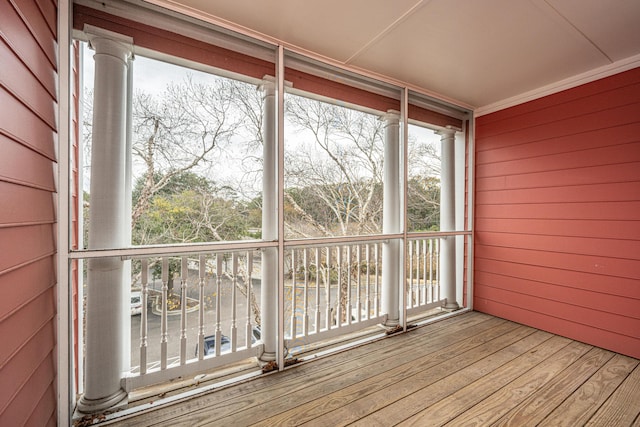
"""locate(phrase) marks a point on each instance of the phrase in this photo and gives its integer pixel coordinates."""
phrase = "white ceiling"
(477, 52)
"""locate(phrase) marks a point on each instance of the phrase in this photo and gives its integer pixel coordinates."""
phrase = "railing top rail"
(340, 240)
(172, 250)
(436, 234)
(235, 246)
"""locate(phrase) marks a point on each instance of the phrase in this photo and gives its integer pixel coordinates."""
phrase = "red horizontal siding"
(18, 37)
(38, 27)
(15, 212)
(599, 86)
(37, 136)
(28, 126)
(24, 166)
(596, 121)
(610, 192)
(562, 227)
(598, 301)
(558, 213)
(25, 86)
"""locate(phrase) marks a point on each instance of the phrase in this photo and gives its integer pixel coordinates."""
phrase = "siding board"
(15, 212)
(623, 172)
(607, 119)
(562, 227)
(38, 27)
(21, 367)
(19, 80)
(610, 192)
(568, 144)
(35, 242)
(28, 132)
(558, 257)
(628, 78)
(614, 285)
(557, 226)
(560, 306)
(616, 211)
(594, 300)
(35, 279)
(602, 101)
(22, 165)
(20, 40)
(612, 155)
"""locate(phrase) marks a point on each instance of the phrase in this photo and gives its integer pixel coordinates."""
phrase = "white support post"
(269, 288)
(391, 219)
(448, 219)
(106, 311)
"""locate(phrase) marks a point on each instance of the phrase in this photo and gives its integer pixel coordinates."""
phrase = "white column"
(269, 288)
(106, 311)
(448, 218)
(391, 219)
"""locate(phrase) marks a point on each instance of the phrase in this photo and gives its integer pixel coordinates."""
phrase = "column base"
(451, 306)
(267, 357)
(117, 400)
(390, 323)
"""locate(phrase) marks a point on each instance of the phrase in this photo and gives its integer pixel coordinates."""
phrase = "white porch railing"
(331, 290)
(201, 304)
(423, 275)
(205, 320)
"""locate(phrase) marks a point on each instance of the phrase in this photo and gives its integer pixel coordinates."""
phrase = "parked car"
(225, 342)
(210, 344)
(256, 334)
(136, 303)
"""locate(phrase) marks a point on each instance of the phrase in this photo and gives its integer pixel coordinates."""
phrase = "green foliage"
(423, 210)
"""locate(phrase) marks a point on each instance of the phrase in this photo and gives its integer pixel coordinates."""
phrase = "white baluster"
(234, 301)
(368, 291)
(293, 294)
(184, 274)
(376, 296)
(317, 319)
(359, 284)
(163, 321)
(218, 341)
(410, 302)
(348, 273)
(328, 289)
(201, 281)
(143, 316)
(305, 318)
(249, 284)
(339, 305)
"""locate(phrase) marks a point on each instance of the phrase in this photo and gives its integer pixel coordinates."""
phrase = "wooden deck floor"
(471, 369)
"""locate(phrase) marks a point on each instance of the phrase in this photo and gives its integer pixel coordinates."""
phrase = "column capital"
(449, 131)
(109, 43)
(391, 117)
(268, 85)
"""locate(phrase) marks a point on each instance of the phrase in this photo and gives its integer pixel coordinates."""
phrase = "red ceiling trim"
(173, 44)
(184, 47)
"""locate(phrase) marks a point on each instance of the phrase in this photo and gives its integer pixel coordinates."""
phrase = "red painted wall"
(558, 213)
(28, 127)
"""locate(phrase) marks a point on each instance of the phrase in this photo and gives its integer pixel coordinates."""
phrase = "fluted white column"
(391, 219)
(269, 288)
(448, 218)
(107, 312)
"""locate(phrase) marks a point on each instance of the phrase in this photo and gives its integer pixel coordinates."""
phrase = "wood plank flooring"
(471, 369)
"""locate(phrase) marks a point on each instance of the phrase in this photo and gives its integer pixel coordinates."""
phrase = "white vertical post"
(106, 311)
(391, 219)
(448, 219)
(269, 287)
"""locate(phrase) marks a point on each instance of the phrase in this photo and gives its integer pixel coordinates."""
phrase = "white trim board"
(568, 83)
